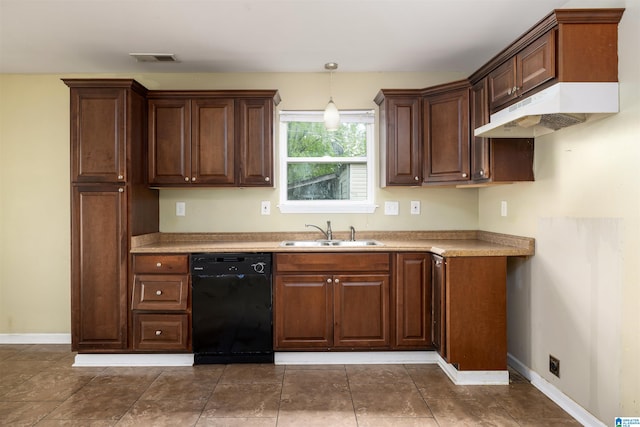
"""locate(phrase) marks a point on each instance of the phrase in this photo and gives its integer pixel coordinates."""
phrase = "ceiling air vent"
(154, 57)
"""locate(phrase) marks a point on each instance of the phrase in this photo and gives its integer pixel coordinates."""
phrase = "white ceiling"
(96, 36)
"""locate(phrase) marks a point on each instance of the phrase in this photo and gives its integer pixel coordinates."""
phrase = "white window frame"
(326, 206)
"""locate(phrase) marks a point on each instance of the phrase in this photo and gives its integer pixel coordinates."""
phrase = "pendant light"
(331, 113)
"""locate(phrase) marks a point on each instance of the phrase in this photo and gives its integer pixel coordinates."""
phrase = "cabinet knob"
(158, 292)
(329, 280)
(267, 179)
(193, 179)
(186, 178)
(120, 190)
(438, 263)
(120, 176)
(158, 264)
(337, 280)
(464, 175)
(158, 333)
(481, 173)
(416, 178)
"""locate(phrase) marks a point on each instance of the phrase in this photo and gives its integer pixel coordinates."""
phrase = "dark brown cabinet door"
(529, 69)
(255, 142)
(446, 136)
(303, 311)
(438, 331)
(403, 145)
(361, 310)
(212, 141)
(169, 141)
(412, 301)
(99, 267)
(98, 135)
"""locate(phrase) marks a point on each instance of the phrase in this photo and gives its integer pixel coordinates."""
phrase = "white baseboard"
(353, 357)
(473, 377)
(580, 414)
(35, 338)
(92, 360)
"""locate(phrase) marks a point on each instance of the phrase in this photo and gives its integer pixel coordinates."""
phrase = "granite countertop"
(445, 243)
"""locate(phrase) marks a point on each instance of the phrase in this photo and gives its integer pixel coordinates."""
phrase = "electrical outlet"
(181, 208)
(391, 208)
(265, 207)
(503, 208)
(554, 366)
(415, 207)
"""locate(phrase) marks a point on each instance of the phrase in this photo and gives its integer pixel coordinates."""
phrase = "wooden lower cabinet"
(161, 303)
(470, 308)
(438, 329)
(331, 301)
(411, 301)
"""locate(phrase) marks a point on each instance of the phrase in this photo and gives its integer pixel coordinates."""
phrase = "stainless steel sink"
(330, 243)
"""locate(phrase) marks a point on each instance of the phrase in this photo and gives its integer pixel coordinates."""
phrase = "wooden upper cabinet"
(191, 141)
(169, 141)
(98, 135)
(211, 138)
(400, 150)
(532, 67)
(446, 133)
(255, 140)
(212, 141)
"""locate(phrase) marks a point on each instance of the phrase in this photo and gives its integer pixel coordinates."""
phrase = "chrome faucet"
(328, 234)
(353, 233)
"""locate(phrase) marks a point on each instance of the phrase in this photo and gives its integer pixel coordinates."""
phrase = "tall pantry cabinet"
(110, 202)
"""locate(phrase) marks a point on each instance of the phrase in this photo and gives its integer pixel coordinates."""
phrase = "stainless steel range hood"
(558, 106)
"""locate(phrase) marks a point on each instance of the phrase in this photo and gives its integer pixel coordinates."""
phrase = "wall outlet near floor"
(265, 207)
(554, 366)
(415, 207)
(181, 208)
(391, 208)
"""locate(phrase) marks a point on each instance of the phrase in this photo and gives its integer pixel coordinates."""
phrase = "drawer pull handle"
(158, 292)
(158, 333)
(158, 264)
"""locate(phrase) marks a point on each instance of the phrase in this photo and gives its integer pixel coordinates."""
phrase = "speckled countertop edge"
(446, 243)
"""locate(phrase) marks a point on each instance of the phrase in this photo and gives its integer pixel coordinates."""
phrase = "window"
(322, 171)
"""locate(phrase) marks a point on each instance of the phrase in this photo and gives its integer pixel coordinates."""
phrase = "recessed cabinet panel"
(169, 141)
(213, 137)
(446, 136)
(255, 142)
(98, 299)
(98, 135)
(412, 305)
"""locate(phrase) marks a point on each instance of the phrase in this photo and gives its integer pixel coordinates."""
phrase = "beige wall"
(579, 297)
(34, 184)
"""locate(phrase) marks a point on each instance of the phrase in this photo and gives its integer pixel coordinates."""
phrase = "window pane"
(326, 181)
(311, 139)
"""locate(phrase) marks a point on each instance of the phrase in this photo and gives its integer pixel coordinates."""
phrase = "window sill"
(326, 207)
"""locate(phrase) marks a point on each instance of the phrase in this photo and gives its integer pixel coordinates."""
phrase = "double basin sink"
(330, 243)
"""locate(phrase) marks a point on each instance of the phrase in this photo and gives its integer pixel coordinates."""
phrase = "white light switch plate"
(181, 208)
(391, 208)
(265, 207)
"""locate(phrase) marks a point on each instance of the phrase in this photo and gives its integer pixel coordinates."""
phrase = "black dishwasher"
(231, 308)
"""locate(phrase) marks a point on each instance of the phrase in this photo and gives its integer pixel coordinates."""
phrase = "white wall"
(578, 298)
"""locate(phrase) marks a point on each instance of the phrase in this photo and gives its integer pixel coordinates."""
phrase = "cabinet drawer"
(161, 264)
(332, 262)
(161, 332)
(160, 292)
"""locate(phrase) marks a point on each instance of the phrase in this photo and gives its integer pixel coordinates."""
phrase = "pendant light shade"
(331, 113)
(331, 116)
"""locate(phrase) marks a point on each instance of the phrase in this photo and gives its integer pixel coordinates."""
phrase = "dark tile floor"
(39, 387)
